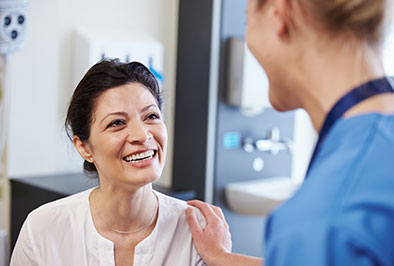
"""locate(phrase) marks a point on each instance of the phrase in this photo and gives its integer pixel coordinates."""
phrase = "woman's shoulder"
(172, 239)
(176, 207)
(60, 209)
(53, 226)
(169, 200)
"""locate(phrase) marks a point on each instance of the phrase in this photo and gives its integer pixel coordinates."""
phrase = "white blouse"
(62, 233)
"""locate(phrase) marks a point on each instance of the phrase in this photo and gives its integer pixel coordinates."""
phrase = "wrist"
(218, 259)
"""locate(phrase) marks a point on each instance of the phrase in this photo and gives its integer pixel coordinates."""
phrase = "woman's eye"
(116, 123)
(153, 116)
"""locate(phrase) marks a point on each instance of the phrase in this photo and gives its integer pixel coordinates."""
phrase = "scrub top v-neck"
(345, 103)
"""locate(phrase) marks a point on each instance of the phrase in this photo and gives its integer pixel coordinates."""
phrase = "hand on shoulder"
(215, 239)
(213, 242)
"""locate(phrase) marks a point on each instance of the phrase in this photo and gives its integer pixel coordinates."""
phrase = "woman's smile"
(141, 159)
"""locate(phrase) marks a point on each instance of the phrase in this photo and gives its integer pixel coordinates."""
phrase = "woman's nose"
(139, 133)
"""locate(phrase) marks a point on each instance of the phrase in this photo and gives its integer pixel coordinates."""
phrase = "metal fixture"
(248, 145)
(272, 144)
(258, 164)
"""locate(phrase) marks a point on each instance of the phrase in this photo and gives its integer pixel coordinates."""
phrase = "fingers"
(205, 208)
(196, 203)
(210, 212)
(218, 211)
(191, 219)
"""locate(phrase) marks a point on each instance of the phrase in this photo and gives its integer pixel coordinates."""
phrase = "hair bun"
(362, 18)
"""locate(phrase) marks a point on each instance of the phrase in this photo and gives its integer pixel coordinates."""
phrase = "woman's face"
(128, 138)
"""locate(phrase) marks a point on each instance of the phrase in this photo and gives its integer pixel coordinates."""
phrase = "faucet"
(272, 144)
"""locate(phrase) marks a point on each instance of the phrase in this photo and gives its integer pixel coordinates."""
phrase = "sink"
(259, 197)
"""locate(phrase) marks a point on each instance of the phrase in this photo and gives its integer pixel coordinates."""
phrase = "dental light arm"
(12, 35)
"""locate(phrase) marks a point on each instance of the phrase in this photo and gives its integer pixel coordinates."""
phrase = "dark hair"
(102, 76)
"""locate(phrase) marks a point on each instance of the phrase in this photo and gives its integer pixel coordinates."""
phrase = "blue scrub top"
(344, 212)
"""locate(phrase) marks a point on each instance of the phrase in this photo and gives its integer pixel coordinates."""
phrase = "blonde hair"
(362, 19)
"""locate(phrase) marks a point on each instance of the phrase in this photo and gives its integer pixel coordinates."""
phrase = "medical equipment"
(13, 15)
(12, 35)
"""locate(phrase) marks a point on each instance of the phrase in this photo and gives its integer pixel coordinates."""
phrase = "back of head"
(359, 19)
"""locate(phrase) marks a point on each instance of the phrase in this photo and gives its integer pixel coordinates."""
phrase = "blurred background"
(227, 145)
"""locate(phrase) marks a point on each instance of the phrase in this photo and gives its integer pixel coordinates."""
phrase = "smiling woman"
(128, 139)
(115, 122)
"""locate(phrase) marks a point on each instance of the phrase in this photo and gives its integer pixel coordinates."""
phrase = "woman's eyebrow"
(125, 114)
(148, 107)
(114, 113)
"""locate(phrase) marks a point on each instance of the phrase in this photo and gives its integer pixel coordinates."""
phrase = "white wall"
(41, 78)
(388, 52)
(305, 138)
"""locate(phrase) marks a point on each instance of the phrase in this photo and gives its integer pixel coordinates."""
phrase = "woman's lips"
(141, 159)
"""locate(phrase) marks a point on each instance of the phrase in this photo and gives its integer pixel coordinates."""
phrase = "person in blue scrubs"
(325, 57)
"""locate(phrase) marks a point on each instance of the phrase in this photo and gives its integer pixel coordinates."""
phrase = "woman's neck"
(331, 73)
(122, 209)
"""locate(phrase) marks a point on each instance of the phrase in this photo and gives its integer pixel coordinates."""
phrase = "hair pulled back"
(363, 19)
(102, 76)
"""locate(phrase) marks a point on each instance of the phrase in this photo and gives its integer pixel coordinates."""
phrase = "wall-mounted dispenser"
(92, 45)
(247, 84)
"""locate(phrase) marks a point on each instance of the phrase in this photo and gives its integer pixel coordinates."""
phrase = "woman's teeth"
(140, 156)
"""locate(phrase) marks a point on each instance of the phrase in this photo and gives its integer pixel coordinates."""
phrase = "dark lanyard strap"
(355, 96)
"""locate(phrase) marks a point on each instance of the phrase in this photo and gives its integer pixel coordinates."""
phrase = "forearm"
(232, 259)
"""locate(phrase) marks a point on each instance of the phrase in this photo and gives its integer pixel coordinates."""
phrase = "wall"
(388, 52)
(41, 78)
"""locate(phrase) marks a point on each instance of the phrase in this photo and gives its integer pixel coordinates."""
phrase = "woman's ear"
(281, 13)
(83, 149)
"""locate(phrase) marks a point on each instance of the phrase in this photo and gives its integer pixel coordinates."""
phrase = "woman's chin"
(140, 180)
(277, 105)
(149, 180)
(280, 104)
